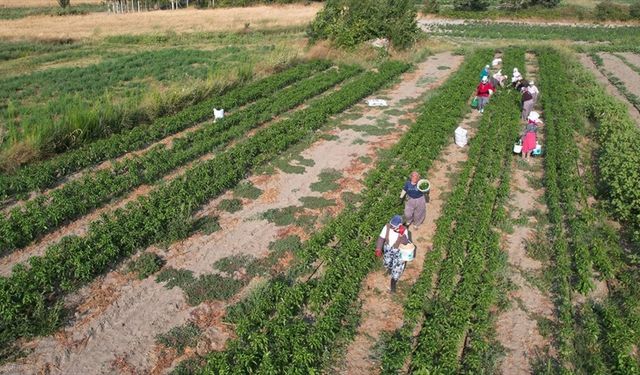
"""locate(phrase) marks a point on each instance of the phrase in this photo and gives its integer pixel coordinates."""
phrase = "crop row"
(399, 346)
(489, 30)
(47, 173)
(292, 326)
(78, 197)
(574, 232)
(470, 247)
(30, 299)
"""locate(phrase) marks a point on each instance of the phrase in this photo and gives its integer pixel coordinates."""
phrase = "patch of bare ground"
(611, 90)
(118, 331)
(632, 58)
(178, 21)
(517, 327)
(621, 70)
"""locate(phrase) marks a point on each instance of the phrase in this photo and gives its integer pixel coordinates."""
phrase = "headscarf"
(485, 79)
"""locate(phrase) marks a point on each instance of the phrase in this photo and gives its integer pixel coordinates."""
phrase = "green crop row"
(47, 212)
(575, 231)
(30, 299)
(625, 34)
(292, 326)
(472, 247)
(47, 173)
(400, 344)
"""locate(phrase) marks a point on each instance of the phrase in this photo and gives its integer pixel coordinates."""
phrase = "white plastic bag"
(218, 114)
(377, 103)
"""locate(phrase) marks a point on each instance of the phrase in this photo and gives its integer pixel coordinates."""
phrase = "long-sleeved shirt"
(393, 237)
(483, 89)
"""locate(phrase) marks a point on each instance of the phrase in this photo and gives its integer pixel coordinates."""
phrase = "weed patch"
(327, 181)
(179, 338)
(247, 190)
(230, 205)
(316, 202)
(146, 265)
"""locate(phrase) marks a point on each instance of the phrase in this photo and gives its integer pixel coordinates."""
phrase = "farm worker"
(529, 138)
(498, 79)
(484, 72)
(483, 92)
(391, 237)
(527, 103)
(516, 77)
(415, 208)
(533, 89)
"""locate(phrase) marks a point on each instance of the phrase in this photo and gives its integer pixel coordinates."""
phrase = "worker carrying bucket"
(529, 141)
(396, 249)
(416, 191)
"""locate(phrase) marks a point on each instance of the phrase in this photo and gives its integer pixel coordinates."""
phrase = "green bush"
(608, 10)
(146, 265)
(470, 4)
(348, 23)
(634, 10)
(430, 6)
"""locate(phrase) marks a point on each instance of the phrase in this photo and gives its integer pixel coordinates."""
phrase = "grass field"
(139, 234)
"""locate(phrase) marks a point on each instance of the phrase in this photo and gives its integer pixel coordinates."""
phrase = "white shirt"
(533, 89)
(393, 235)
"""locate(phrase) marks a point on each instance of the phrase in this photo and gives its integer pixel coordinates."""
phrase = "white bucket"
(217, 114)
(407, 252)
(461, 136)
(517, 148)
(421, 182)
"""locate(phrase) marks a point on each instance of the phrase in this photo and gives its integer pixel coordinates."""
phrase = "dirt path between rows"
(517, 327)
(611, 90)
(381, 311)
(633, 58)
(118, 317)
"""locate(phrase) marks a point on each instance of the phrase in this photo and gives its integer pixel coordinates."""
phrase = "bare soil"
(633, 58)
(178, 21)
(517, 327)
(621, 70)
(611, 90)
(119, 317)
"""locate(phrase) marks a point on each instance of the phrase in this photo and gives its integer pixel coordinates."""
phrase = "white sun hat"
(533, 116)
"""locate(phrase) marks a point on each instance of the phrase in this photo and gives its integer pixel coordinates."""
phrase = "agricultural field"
(140, 234)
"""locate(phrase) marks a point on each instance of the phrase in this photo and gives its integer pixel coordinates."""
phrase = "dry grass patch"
(41, 3)
(179, 21)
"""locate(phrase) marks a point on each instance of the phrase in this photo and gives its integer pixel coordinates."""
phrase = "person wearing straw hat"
(516, 77)
(529, 138)
(415, 207)
(392, 237)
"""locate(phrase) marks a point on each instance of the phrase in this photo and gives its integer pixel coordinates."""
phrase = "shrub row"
(30, 299)
(47, 173)
(78, 197)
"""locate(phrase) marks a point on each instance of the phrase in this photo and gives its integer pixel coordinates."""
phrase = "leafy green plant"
(327, 180)
(348, 23)
(247, 190)
(230, 205)
(146, 265)
(181, 337)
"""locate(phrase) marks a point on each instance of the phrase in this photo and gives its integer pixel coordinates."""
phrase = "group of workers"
(395, 233)
(530, 95)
